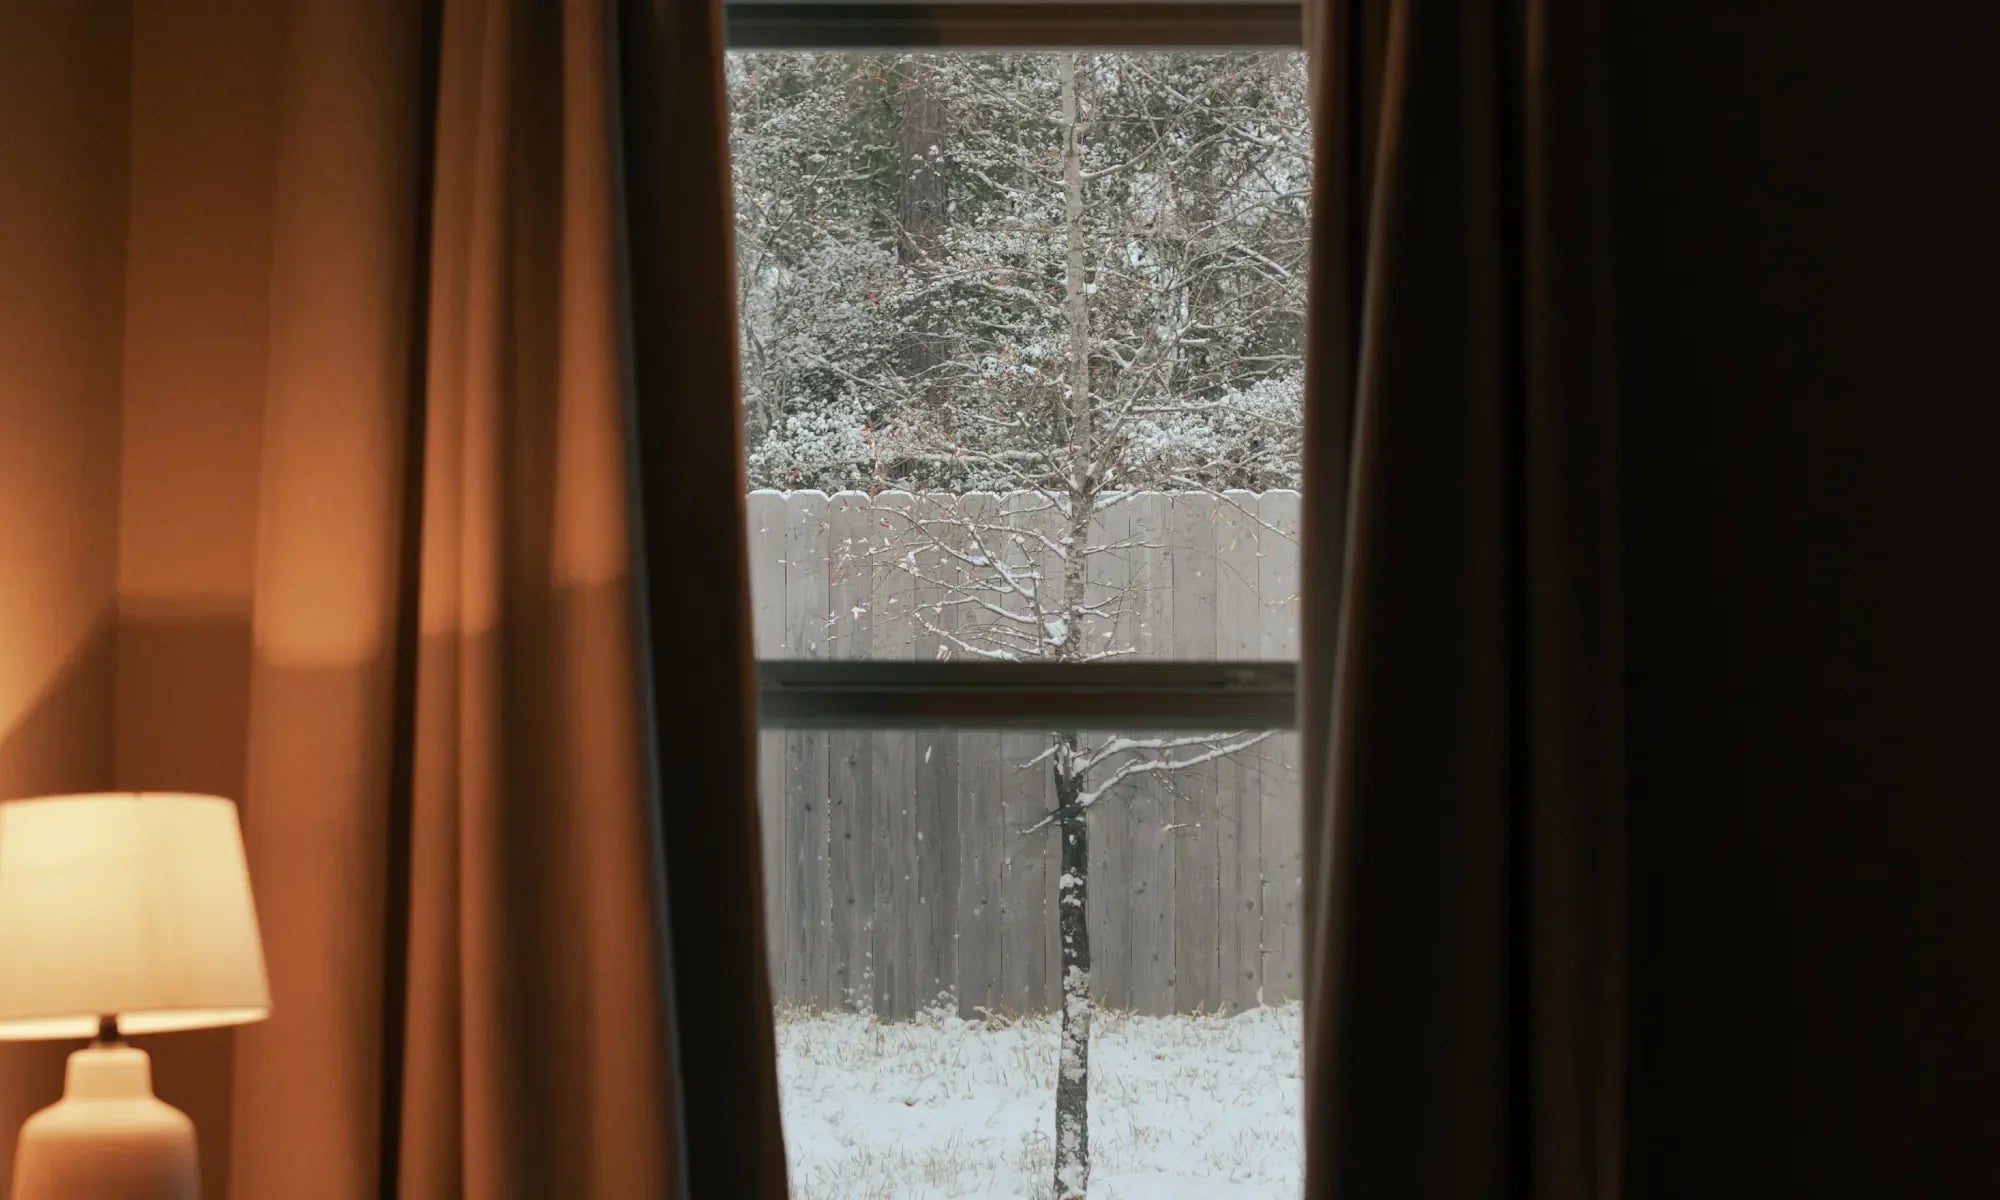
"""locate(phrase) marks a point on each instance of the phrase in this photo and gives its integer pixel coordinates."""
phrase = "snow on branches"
(908, 266)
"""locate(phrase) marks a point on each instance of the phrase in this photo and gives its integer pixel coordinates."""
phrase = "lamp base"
(109, 1137)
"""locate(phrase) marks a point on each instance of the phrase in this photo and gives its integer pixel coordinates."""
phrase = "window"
(1022, 360)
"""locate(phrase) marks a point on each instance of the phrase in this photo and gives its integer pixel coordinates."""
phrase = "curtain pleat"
(1463, 674)
(681, 349)
(452, 808)
(322, 754)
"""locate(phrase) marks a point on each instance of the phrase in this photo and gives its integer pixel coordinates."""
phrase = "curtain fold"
(1463, 674)
(322, 796)
(681, 351)
(451, 811)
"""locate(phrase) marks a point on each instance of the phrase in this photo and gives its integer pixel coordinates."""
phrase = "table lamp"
(120, 913)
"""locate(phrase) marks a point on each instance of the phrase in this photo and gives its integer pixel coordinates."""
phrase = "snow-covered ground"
(1181, 1108)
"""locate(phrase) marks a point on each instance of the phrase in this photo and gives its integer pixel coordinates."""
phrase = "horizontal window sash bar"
(1145, 696)
(1002, 26)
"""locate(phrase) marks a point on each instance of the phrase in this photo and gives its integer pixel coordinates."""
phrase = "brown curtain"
(1462, 620)
(681, 343)
(449, 692)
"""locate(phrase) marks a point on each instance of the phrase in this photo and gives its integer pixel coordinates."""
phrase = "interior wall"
(63, 108)
(197, 289)
(136, 146)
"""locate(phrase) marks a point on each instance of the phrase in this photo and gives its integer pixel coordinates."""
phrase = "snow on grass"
(936, 1108)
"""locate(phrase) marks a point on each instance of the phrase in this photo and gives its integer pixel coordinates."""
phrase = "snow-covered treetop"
(906, 243)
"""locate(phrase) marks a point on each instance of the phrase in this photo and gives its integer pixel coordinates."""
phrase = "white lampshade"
(133, 904)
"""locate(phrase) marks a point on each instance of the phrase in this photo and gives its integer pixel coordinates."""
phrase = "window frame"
(1019, 25)
(887, 694)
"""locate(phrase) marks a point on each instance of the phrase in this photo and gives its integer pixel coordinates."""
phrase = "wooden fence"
(896, 872)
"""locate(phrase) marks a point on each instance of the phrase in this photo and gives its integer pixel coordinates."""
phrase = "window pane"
(915, 887)
(1021, 355)
(1022, 352)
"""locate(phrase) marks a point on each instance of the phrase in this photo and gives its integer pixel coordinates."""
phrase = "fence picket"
(1150, 806)
(805, 754)
(764, 513)
(1111, 823)
(1239, 787)
(981, 815)
(1197, 888)
(934, 760)
(1277, 592)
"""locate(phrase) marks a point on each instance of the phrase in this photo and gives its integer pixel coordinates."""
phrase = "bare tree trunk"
(920, 211)
(1073, 927)
(1072, 1158)
(1075, 283)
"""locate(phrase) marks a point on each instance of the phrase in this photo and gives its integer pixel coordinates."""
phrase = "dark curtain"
(1462, 625)
(1650, 651)
(1808, 255)
(488, 832)
(686, 455)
